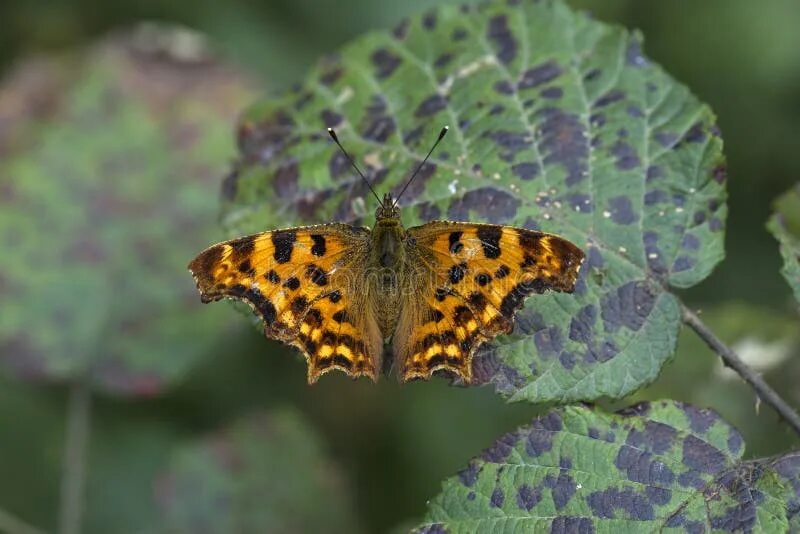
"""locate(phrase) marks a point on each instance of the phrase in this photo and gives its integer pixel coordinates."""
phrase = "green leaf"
(102, 205)
(558, 122)
(662, 466)
(265, 473)
(785, 226)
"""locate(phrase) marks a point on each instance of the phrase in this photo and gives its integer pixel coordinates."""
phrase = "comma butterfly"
(361, 300)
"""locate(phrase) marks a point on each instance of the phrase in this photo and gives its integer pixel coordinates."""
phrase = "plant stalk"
(732, 360)
(73, 477)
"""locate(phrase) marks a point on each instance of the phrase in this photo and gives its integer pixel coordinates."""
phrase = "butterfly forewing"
(471, 281)
(303, 283)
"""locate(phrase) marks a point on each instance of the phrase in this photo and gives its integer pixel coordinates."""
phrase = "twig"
(732, 360)
(12, 524)
(73, 478)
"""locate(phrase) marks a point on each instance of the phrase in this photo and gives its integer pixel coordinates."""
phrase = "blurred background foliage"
(382, 450)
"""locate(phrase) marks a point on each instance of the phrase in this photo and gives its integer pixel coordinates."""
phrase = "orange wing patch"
(479, 275)
(297, 281)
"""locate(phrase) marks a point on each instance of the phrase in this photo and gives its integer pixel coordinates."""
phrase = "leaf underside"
(655, 467)
(557, 122)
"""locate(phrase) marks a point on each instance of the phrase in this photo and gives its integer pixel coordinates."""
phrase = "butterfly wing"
(469, 280)
(303, 282)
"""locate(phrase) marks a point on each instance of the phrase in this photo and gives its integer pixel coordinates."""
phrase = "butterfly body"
(355, 299)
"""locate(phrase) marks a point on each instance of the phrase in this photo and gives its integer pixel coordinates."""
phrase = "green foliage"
(557, 122)
(661, 466)
(785, 226)
(100, 209)
(265, 473)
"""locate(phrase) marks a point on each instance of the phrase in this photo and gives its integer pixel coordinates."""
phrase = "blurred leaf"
(557, 122)
(655, 466)
(266, 473)
(785, 226)
(103, 204)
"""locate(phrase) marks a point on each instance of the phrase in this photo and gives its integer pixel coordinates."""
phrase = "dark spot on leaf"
(528, 497)
(581, 328)
(380, 129)
(416, 188)
(695, 134)
(459, 34)
(331, 119)
(666, 139)
(580, 202)
(284, 182)
(469, 475)
(526, 170)
(562, 488)
(503, 87)
(571, 525)
(700, 456)
(552, 93)
(497, 498)
(512, 142)
(501, 37)
(501, 449)
(633, 54)
(429, 20)
(654, 172)
(622, 210)
(401, 29)
(442, 60)
(629, 306)
(634, 111)
(385, 62)
(549, 341)
(683, 263)
(627, 158)
(330, 77)
(338, 165)
(567, 360)
(605, 503)
(540, 437)
(700, 420)
(563, 142)
(487, 204)
(539, 75)
(431, 106)
(615, 95)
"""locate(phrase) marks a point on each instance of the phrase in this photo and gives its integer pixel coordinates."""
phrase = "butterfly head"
(388, 209)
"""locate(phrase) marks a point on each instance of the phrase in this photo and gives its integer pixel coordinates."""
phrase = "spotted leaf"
(785, 226)
(557, 122)
(655, 467)
(264, 473)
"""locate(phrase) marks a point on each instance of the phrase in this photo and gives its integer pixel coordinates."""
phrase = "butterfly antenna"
(441, 136)
(353, 163)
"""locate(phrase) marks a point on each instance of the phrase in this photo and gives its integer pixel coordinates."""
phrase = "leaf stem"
(732, 360)
(73, 477)
(11, 523)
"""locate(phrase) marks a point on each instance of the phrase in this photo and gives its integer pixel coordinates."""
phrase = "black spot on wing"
(292, 283)
(457, 272)
(243, 245)
(273, 277)
(318, 248)
(490, 240)
(317, 275)
(456, 245)
(283, 241)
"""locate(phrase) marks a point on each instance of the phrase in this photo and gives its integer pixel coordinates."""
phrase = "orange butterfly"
(359, 299)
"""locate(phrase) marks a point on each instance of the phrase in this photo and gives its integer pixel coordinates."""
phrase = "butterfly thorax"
(387, 263)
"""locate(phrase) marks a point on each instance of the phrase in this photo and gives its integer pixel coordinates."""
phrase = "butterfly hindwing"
(476, 277)
(300, 282)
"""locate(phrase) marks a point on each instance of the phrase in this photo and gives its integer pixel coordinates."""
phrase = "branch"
(73, 478)
(10, 523)
(732, 360)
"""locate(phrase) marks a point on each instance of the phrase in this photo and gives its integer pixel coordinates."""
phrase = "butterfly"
(363, 300)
